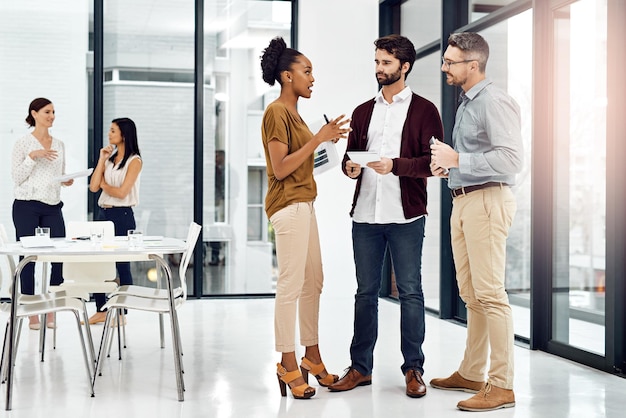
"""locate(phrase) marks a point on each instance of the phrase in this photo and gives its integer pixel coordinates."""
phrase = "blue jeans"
(369, 242)
(123, 219)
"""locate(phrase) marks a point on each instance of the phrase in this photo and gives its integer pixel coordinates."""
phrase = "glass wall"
(573, 256)
(420, 23)
(510, 67)
(148, 72)
(239, 252)
(424, 80)
(149, 68)
(483, 7)
(580, 36)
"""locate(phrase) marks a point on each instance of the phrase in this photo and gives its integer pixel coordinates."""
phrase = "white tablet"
(363, 157)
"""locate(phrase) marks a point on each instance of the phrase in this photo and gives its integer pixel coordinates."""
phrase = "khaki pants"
(479, 226)
(300, 276)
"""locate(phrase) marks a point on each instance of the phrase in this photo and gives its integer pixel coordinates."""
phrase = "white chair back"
(4, 239)
(192, 238)
(96, 271)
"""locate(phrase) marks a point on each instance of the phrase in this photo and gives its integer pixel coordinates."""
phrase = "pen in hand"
(327, 122)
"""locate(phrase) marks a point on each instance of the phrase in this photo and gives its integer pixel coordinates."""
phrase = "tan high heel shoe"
(97, 318)
(35, 326)
(303, 391)
(307, 366)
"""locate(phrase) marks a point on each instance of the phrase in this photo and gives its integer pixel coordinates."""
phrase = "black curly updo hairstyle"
(277, 58)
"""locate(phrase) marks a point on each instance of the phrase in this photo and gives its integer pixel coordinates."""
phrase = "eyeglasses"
(448, 63)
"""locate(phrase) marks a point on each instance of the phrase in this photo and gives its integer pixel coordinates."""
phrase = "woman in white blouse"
(117, 175)
(37, 160)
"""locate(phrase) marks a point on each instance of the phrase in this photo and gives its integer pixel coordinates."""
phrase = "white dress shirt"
(379, 199)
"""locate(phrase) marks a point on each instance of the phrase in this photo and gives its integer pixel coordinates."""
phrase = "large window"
(580, 36)
(238, 256)
(510, 67)
(419, 24)
(558, 241)
(150, 59)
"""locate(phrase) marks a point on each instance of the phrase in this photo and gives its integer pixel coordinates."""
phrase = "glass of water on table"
(135, 238)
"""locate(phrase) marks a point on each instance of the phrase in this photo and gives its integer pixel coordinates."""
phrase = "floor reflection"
(214, 266)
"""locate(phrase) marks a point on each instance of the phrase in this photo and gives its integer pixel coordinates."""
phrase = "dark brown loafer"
(415, 386)
(350, 380)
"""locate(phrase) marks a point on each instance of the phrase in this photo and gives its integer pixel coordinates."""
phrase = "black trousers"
(28, 215)
(123, 219)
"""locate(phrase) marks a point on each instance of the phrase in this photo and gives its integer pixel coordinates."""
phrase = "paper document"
(363, 157)
(36, 241)
(74, 175)
(145, 238)
(152, 238)
(325, 157)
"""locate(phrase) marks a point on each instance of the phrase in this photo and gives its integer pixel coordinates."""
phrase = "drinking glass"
(42, 232)
(97, 232)
(135, 238)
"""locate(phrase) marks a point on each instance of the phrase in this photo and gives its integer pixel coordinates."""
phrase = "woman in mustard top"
(289, 147)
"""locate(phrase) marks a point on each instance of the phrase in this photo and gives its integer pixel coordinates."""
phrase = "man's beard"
(389, 79)
(455, 81)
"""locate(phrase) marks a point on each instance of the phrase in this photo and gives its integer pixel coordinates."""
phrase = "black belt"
(468, 189)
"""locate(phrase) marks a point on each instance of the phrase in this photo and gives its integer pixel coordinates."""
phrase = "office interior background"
(188, 73)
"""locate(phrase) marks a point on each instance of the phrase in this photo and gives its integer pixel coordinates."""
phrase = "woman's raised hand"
(106, 152)
(48, 154)
(335, 129)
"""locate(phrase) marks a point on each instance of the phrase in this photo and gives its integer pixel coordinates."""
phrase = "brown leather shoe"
(415, 386)
(350, 380)
(457, 382)
(489, 398)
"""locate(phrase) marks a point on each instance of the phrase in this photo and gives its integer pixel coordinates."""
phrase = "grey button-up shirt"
(487, 135)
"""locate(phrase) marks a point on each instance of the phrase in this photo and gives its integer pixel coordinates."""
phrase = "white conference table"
(77, 251)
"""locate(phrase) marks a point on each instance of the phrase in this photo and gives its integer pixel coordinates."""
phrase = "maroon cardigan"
(413, 165)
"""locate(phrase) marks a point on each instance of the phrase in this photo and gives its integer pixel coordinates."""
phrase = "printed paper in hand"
(75, 175)
(325, 157)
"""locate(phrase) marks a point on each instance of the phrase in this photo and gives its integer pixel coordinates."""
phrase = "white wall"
(45, 57)
(338, 38)
(42, 54)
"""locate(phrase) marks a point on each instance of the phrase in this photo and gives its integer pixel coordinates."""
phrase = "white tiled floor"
(230, 371)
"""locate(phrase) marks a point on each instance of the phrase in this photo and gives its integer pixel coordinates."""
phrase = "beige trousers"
(479, 224)
(300, 276)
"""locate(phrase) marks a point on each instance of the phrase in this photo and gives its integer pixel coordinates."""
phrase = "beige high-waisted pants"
(300, 276)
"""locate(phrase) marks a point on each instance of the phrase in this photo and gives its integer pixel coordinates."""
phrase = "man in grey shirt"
(480, 169)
